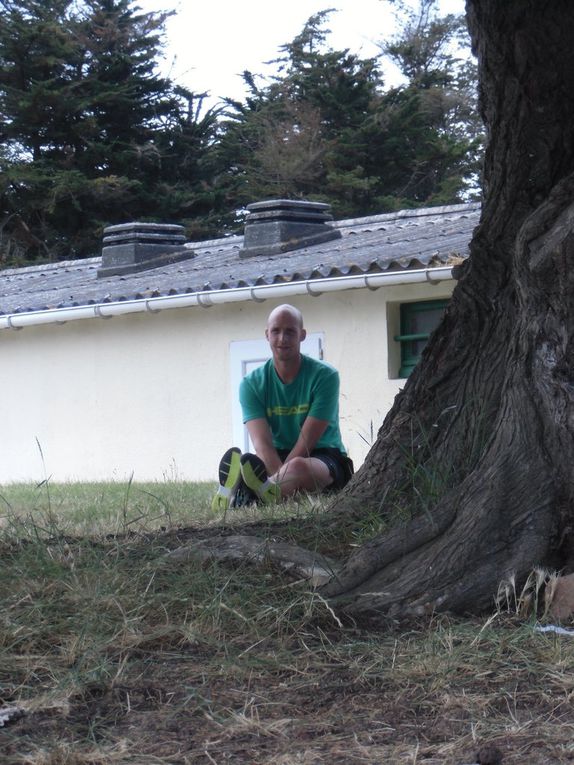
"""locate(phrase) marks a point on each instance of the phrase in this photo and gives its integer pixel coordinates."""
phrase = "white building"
(136, 371)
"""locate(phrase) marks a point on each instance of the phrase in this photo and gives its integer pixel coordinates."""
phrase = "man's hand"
(260, 434)
(311, 431)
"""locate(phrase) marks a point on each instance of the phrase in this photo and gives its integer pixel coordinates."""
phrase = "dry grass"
(118, 658)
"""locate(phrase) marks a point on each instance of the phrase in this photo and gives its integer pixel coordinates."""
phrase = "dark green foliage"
(90, 131)
(91, 135)
(431, 141)
(291, 136)
(325, 128)
(187, 192)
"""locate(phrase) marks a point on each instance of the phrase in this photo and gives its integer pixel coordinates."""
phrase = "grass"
(107, 507)
(117, 656)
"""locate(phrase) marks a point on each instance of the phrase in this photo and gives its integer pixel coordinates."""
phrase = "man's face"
(285, 335)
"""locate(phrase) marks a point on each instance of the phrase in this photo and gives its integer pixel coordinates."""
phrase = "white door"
(247, 355)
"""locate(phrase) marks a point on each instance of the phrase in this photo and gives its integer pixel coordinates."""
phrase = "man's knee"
(306, 473)
(296, 468)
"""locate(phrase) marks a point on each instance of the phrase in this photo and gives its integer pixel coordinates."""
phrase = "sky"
(210, 42)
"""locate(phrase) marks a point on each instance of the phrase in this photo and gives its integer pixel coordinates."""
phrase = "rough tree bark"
(487, 419)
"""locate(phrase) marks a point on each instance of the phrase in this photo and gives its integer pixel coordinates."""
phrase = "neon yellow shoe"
(243, 496)
(229, 479)
(256, 478)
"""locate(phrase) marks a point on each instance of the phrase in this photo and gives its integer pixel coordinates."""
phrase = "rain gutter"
(208, 298)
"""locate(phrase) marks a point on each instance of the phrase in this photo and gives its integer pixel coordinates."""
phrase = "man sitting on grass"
(291, 409)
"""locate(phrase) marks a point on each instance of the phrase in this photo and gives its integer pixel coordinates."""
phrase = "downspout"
(208, 298)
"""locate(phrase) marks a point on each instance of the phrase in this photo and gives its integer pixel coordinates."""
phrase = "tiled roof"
(375, 244)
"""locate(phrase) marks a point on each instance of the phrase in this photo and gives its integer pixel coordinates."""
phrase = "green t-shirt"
(315, 392)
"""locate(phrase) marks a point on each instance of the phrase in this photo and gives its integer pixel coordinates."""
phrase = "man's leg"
(300, 473)
(303, 473)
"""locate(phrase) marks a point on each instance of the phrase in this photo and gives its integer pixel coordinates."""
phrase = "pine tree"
(87, 123)
(324, 127)
(291, 135)
(428, 133)
(187, 192)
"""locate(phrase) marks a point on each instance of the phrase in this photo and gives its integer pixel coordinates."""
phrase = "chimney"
(131, 247)
(280, 225)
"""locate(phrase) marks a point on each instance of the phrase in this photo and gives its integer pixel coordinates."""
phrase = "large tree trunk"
(479, 445)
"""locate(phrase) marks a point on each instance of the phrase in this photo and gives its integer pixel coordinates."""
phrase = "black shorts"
(340, 466)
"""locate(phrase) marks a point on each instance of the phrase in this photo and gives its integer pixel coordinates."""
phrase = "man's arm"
(311, 431)
(260, 434)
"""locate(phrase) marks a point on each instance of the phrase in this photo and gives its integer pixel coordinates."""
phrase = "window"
(418, 321)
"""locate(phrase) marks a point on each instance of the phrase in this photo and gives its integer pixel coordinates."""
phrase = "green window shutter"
(418, 321)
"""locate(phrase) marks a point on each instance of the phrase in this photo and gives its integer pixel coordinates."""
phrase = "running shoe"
(229, 478)
(255, 476)
(243, 496)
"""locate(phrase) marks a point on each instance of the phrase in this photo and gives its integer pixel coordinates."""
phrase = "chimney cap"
(131, 247)
(275, 226)
(295, 204)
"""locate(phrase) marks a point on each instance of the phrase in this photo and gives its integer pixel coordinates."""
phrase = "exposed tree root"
(298, 562)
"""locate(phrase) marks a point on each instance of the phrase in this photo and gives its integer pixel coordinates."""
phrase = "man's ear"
(266, 334)
(303, 334)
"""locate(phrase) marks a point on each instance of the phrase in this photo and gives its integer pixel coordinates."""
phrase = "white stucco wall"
(96, 399)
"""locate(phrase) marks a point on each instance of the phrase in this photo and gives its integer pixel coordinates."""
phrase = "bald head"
(285, 334)
(286, 310)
